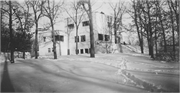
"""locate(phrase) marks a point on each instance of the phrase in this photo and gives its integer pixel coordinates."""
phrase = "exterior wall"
(45, 45)
(100, 25)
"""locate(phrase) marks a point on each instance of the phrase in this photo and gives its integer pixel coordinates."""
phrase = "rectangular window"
(76, 38)
(107, 37)
(71, 26)
(86, 51)
(44, 38)
(85, 23)
(62, 38)
(49, 50)
(59, 38)
(83, 38)
(81, 51)
(100, 36)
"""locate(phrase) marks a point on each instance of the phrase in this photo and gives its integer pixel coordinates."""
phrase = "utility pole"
(11, 32)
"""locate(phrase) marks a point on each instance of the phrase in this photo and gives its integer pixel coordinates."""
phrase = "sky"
(97, 6)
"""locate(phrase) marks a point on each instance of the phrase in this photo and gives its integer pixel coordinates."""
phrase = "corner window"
(71, 26)
(59, 38)
(107, 37)
(100, 36)
(85, 23)
(83, 38)
(76, 38)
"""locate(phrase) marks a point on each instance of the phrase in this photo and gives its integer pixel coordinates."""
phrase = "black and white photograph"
(89, 46)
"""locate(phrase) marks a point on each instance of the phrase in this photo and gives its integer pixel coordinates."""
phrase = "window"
(81, 51)
(44, 38)
(86, 51)
(71, 26)
(59, 38)
(83, 38)
(107, 37)
(76, 38)
(100, 36)
(49, 50)
(109, 24)
(85, 23)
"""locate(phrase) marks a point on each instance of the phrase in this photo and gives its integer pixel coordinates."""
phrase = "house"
(66, 39)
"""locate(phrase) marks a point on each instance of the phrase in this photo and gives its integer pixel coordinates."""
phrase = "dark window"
(59, 38)
(109, 24)
(86, 51)
(71, 26)
(107, 37)
(85, 23)
(83, 38)
(81, 51)
(44, 38)
(49, 50)
(76, 38)
(100, 36)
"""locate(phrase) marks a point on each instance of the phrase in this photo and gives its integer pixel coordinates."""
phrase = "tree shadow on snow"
(6, 85)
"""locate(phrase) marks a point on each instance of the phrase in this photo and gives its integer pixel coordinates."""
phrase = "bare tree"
(37, 6)
(171, 8)
(88, 10)
(138, 22)
(52, 12)
(118, 11)
(24, 19)
(76, 15)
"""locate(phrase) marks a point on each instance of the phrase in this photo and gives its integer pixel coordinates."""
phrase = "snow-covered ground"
(81, 74)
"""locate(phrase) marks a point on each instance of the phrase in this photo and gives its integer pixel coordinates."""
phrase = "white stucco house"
(66, 44)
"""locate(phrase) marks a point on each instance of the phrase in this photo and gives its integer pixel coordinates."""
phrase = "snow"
(67, 76)
(81, 74)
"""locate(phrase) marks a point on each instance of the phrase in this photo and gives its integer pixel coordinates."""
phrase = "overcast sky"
(97, 6)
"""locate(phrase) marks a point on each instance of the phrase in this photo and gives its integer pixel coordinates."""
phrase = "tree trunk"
(141, 46)
(151, 47)
(36, 41)
(11, 33)
(60, 48)
(173, 36)
(54, 41)
(150, 31)
(68, 51)
(23, 54)
(92, 53)
(76, 40)
(156, 41)
(164, 36)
